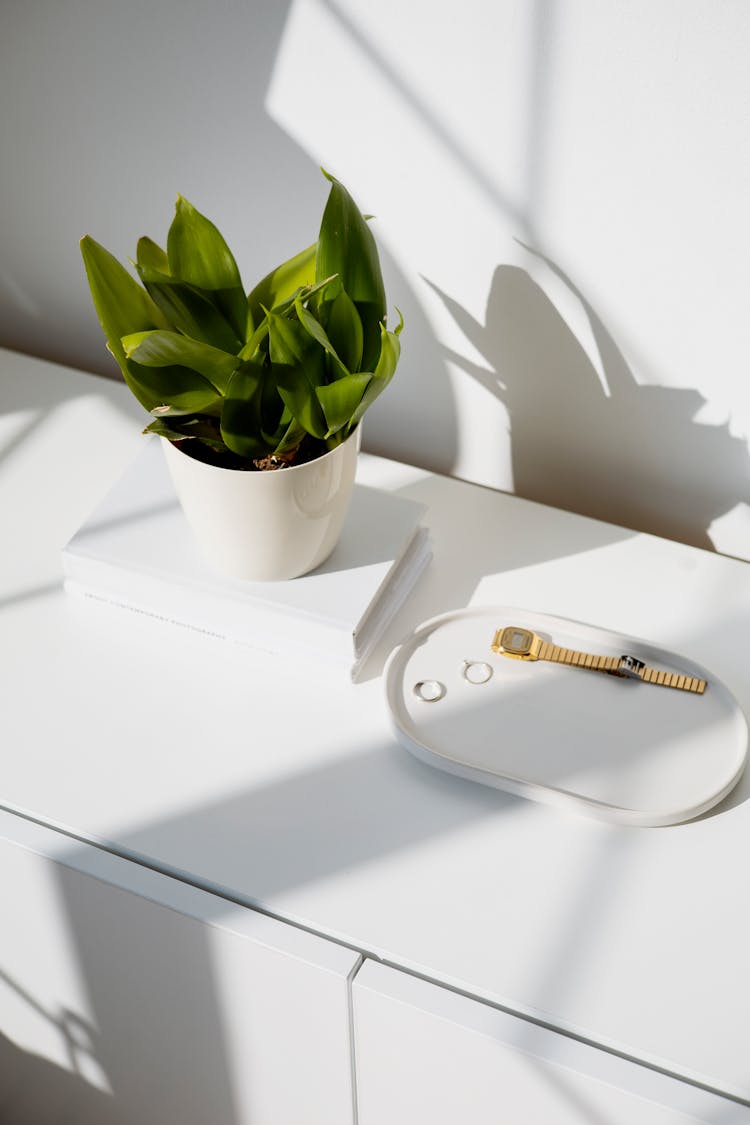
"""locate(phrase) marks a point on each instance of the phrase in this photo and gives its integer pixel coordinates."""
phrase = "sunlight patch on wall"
(362, 103)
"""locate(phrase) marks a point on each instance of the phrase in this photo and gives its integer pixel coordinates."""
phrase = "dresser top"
(284, 788)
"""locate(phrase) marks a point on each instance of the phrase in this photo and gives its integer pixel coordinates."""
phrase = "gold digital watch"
(523, 644)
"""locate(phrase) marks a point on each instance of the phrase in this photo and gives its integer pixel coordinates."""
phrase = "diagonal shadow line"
(26, 996)
(544, 21)
(94, 525)
(350, 810)
(426, 115)
(599, 890)
(22, 435)
(341, 820)
(67, 1024)
(22, 596)
(344, 813)
(169, 956)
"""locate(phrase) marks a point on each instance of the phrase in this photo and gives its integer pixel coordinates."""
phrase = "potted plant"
(258, 398)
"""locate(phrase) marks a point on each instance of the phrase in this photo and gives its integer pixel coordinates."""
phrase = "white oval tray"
(613, 748)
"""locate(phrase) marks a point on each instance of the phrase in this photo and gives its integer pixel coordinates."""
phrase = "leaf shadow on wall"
(635, 455)
(420, 388)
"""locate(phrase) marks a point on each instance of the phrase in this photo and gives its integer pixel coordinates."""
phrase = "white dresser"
(231, 897)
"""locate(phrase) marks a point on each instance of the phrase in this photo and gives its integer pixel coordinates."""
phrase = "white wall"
(561, 190)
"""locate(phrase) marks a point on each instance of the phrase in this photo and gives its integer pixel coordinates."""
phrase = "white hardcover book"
(137, 551)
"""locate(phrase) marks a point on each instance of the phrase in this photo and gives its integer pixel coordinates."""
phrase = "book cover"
(136, 550)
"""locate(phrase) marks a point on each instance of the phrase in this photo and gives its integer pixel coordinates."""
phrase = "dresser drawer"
(130, 998)
(426, 1054)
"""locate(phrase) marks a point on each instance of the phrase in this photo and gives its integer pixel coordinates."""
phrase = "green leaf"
(199, 255)
(390, 352)
(233, 305)
(282, 282)
(344, 327)
(241, 417)
(121, 304)
(161, 348)
(256, 340)
(189, 310)
(341, 399)
(184, 429)
(289, 342)
(197, 251)
(346, 247)
(152, 256)
(165, 429)
(123, 307)
(184, 390)
(273, 410)
(291, 435)
(298, 370)
(297, 387)
(306, 294)
(313, 326)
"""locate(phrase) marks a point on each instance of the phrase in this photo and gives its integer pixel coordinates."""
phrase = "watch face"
(516, 641)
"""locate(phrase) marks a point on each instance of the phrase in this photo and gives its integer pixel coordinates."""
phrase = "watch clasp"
(630, 667)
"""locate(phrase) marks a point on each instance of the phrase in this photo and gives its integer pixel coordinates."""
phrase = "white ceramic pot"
(271, 525)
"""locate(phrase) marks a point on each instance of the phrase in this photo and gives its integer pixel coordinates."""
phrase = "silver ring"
(429, 691)
(477, 671)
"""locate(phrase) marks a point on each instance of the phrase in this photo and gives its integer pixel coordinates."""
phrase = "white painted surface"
(131, 999)
(293, 795)
(427, 1054)
(561, 198)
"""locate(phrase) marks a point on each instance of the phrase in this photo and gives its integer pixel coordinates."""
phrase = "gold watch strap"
(559, 655)
(673, 680)
(613, 665)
